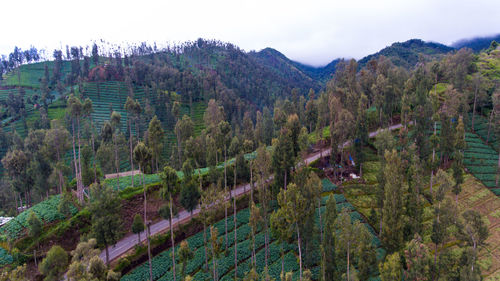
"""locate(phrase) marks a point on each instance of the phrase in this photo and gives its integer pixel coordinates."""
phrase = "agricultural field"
(46, 211)
(481, 161)
(31, 74)
(475, 196)
(481, 128)
(162, 264)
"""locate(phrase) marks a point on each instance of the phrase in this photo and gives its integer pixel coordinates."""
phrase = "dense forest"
(200, 161)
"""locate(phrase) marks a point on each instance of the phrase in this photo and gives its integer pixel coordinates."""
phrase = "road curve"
(128, 242)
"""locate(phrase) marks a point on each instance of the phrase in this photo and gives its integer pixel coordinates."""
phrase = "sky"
(313, 32)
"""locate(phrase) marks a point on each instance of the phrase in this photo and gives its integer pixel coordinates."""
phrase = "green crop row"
(328, 185)
(46, 210)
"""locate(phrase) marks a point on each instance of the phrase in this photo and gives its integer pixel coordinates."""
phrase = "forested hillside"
(250, 165)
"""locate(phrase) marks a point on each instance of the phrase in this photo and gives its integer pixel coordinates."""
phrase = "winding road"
(128, 242)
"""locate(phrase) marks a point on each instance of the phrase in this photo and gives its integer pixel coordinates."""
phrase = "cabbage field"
(162, 263)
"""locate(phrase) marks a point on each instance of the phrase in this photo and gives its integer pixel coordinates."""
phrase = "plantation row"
(481, 160)
(481, 127)
(46, 211)
(162, 264)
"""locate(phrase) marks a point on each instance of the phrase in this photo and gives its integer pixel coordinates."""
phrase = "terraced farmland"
(482, 127)
(46, 211)
(481, 160)
(162, 264)
(31, 74)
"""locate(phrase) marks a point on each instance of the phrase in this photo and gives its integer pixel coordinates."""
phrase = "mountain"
(477, 44)
(406, 54)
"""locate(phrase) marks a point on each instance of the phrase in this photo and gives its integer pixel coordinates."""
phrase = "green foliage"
(5, 257)
(54, 264)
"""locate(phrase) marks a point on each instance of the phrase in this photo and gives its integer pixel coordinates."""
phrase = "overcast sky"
(311, 32)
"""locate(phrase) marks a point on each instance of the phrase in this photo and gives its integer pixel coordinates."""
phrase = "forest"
(201, 161)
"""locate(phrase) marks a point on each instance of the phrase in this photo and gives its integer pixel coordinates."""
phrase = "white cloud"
(313, 32)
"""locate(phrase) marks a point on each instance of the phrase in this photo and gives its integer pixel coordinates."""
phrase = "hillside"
(477, 44)
(407, 54)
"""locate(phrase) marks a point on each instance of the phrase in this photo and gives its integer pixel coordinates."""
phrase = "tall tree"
(138, 227)
(105, 209)
(155, 139)
(170, 182)
(142, 156)
(347, 237)
(75, 108)
(184, 129)
(185, 254)
(392, 212)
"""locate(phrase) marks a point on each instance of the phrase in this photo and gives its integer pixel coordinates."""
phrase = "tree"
(328, 259)
(255, 221)
(190, 195)
(296, 210)
(185, 254)
(138, 227)
(184, 129)
(155, 138)
(280, 228)
(56, 144)
(215, 243)
(282, 160)
(418, 262)
(223, 136)
(75, 107)
(105, 209)
(365, 254)
(392, 212)
(390, 269)
(170, 181)
(55, 263)
(133, 111)
(65, 205)
(347, 237)
(95, 54)
(35, 228)
(474, 232)
(115, 126)
(458, 157)
(86, 263)
(211, 199)
(16, 162)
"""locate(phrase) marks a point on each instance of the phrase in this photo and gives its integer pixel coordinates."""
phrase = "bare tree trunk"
(225, 190)
(172, 237)
(93, 148)
(348, 261)
(117, 162)
(320, 222)
(474, 108)
(78, 191)
(489, 127)
(235, 229)
(205, 243)
(79, 157)
(131, 156)
(300, 255)
(147, 224)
